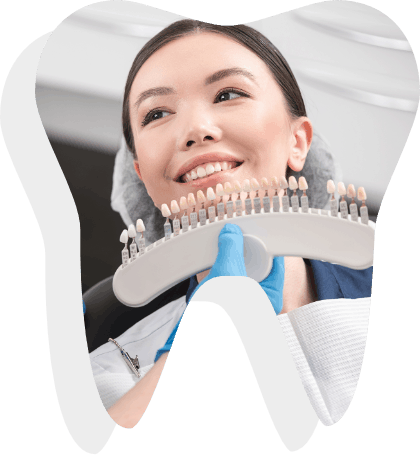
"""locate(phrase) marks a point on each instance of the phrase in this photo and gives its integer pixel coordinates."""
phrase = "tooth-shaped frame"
(265, 236)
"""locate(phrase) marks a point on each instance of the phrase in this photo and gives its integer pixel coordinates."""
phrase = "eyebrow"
(217, 76)
(229, 72)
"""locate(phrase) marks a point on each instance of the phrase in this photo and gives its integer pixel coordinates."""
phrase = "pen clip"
(133, 364)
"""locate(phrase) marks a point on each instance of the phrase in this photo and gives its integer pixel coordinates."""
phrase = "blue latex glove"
(230, 262)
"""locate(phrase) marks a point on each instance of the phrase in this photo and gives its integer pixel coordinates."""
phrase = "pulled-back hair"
(247, 36)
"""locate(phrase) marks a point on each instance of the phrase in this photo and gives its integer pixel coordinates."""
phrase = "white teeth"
(124, 236)
(209, 169)
(131, 231)
(201, 172)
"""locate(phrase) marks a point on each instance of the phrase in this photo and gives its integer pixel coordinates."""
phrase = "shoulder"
(334, 281)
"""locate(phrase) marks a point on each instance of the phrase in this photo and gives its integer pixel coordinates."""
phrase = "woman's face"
(205, 99)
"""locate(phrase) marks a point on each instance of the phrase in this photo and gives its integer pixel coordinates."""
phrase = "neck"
(299, 286)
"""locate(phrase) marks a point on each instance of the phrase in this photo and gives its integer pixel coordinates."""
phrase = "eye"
(153, 115)
(229, 94)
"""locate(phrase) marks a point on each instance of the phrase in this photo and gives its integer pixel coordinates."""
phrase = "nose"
(199, 131)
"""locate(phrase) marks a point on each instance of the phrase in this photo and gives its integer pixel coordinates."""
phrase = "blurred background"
(355, 68)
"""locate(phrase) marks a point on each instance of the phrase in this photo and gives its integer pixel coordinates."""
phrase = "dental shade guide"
(142, 242)
(133, 247)
(301, 232)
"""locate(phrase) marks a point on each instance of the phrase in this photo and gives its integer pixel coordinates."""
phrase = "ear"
(137, 168)
(302, 132)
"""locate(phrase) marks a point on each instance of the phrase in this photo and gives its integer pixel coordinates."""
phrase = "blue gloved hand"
(230, 262)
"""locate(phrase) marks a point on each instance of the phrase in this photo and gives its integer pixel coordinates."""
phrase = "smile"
(207, 169)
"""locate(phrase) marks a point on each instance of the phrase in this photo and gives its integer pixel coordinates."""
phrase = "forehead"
(194, 57)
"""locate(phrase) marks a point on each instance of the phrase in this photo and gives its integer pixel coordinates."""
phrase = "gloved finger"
(276, 276)
(230, 258)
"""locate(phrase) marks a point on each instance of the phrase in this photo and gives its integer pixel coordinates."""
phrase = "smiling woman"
(203, 105)
(229, 109)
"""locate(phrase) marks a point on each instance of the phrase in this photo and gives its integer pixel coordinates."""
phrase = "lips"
(206, 166)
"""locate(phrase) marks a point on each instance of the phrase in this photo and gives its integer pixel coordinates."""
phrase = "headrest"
(129, 195)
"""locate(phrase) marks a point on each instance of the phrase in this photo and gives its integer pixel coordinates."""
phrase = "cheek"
(264, 134)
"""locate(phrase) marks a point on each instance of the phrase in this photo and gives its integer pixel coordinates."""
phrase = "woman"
(200, 94)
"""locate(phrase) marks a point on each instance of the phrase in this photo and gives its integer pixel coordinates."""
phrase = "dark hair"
(247, 36)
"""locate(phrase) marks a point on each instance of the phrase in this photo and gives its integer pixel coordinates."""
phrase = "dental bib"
(314, 334)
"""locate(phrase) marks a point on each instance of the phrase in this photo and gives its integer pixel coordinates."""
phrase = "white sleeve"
(327, 340)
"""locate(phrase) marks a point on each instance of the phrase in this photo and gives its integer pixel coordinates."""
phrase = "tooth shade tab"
(174, 207)
(254, 184)
(330, 187)
(237, 186)
(210, 194)
(341, 189)
(283, 183)
(191, 199)
(217, 167)
(131, 231)
(140, 226)
(351, 191)
(124, 236)
(246, 186)
(228, 188)
(361, 194)
(303, 184)
(275, 183)
(293, 184)
(264, 183)
(165, 211)
(183, 203)
(219, 190)
(200, 197)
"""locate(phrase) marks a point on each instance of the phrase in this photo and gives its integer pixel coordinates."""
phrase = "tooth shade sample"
(361, 194)
(165, 211)
(228, 188)
(351, 191)
(194, 175)
(191, 199)
(246, 186)
(219, 190)
(140, 226)
(275, 182)
(293, 184)
(183, 203)
(210, 194)
(209, 169)
(254, 184)
(200, 196)
(217, 167)
(303, 184)
(237, 186)
(341, 189)
(124, 236)
(174, 207)
(264, 183)
(283, 183)
(224, 166)
(131, 231)
(331, 187)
